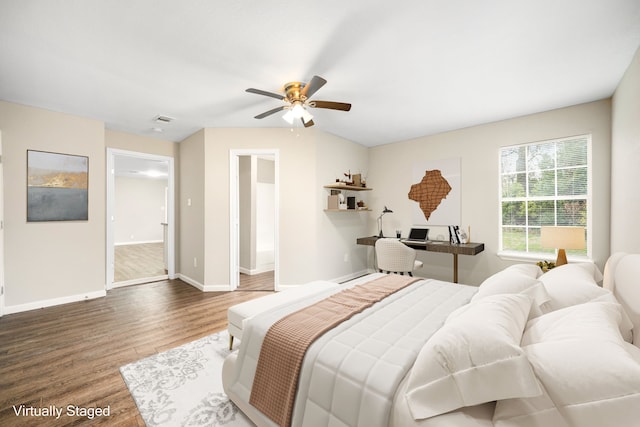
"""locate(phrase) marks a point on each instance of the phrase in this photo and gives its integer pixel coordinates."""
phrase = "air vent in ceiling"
(163, 119)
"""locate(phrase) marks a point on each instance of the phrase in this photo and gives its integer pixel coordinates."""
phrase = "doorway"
(254, 219)
(140, 225)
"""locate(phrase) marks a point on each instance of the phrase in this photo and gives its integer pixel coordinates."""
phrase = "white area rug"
(183, 386)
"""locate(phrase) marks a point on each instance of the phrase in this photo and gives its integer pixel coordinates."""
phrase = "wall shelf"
(332, 205)
(347, 210)
(347, 187)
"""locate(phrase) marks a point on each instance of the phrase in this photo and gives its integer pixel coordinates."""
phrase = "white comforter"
(350, 375)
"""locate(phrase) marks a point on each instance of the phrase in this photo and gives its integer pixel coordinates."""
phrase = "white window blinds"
(543, 183)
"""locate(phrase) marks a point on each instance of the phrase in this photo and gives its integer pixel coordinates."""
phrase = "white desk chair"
(394, 256)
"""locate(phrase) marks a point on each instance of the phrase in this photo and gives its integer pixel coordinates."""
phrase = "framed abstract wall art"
(436, 191)
(57, 187)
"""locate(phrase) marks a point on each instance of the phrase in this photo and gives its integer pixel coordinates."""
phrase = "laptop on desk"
(417, 236)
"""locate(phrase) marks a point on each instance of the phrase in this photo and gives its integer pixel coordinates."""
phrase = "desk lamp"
(562, 238)
(386, 210)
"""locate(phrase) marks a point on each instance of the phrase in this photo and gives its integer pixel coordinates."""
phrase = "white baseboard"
(262, 269)
(142, 242)
(203, 288)
(139, 281)
(10, 309)
(351, 276)
(341, 279)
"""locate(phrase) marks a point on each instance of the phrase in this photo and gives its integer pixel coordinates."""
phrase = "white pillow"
(474, 358)
(570, 321)
(516, 279)
(571, 284)
(590, 374)
(626, 325)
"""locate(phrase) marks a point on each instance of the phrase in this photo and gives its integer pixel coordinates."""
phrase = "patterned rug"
(183, 386)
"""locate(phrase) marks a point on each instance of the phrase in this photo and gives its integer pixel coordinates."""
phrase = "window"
(543, 183)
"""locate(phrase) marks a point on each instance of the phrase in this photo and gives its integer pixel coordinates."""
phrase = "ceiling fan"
(296, 97)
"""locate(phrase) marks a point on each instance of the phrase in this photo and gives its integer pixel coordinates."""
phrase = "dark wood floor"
(70, 354)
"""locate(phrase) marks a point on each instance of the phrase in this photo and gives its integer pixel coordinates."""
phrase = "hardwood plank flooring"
(71, 354)
(257, 282)
(138, 261)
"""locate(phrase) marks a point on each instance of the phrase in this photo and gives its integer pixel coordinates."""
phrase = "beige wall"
(339, 256)
(478, 149)
(139, 209)
(53, 262)
(56, 262)
(298, 210)
(625, 162)
(191, 207)
(309, 237)
(141, 144)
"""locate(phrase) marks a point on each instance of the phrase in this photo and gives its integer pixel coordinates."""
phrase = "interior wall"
(51, 262)
(246, 214)
(297, 209)
(191, 204)
(478, 148)
(265, 215)
(337, 232)
(139, 210)
(625, 153)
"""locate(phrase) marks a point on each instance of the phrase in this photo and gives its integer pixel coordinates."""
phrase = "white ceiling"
(409, 68)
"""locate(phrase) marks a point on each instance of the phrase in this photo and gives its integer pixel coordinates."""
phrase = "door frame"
(110, 258)
(234, 214)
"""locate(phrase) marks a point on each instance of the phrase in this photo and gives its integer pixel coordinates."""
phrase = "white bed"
(523, 349)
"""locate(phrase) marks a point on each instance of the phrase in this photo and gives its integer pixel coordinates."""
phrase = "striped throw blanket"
(286, 342)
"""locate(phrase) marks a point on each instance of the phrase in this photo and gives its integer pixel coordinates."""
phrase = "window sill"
(537, 257)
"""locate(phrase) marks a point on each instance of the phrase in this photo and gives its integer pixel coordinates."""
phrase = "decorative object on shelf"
(385, 211)
(463, 236)
(351, 202)
(562, 238)
(546, 265)
(454, 234)
(332, 202)
(341, 203)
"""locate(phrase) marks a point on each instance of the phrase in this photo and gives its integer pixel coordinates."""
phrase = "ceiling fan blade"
(342, 106)
(312, 87)
(308, 124)
(265, 93)
(270, 112)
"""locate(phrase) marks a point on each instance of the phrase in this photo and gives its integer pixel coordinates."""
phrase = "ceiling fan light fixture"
(296, 100)
(289, 117)
(306, 116)
(298, 110)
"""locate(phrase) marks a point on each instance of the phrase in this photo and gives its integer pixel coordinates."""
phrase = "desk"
(432, 246)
